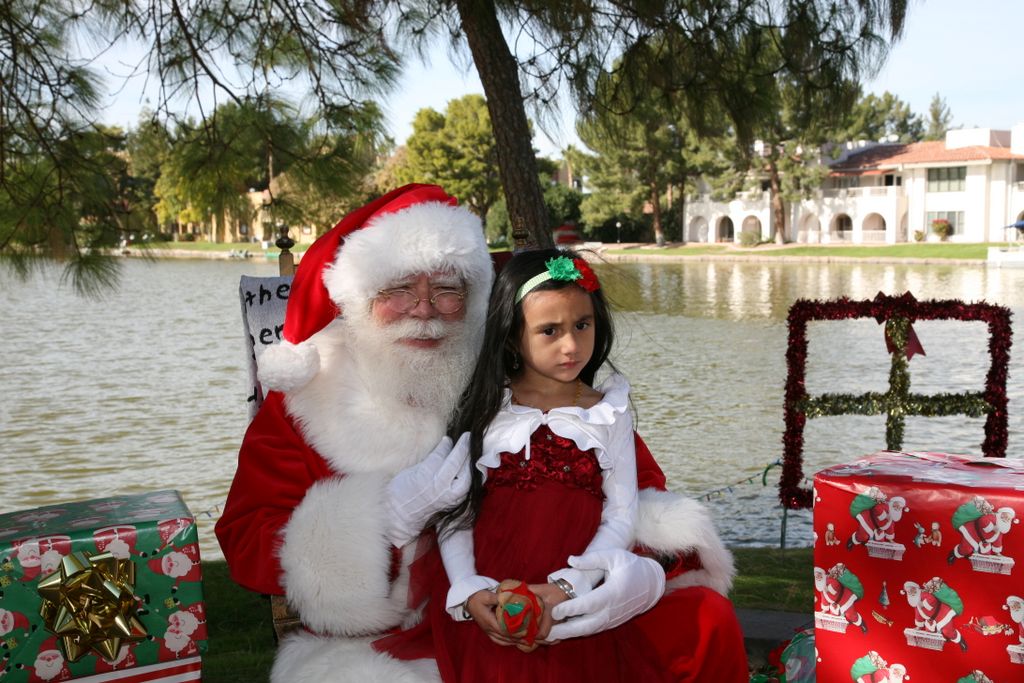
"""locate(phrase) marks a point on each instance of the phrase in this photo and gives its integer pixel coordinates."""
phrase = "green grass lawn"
(241, 640)
(773, 579)
(930, 250)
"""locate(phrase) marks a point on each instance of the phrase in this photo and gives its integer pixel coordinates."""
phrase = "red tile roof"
(871, 160)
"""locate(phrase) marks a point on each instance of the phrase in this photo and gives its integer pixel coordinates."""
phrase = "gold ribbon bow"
(89, 603)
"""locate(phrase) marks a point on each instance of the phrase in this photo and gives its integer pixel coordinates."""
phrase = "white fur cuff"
(306, 658)
(336, 560)
(670, 523)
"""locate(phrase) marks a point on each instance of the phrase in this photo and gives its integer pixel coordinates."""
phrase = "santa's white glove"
(422, 490)
(632, 585)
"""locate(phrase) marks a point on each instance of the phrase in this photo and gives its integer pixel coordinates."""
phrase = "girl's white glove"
(422, 490)
(632, 585)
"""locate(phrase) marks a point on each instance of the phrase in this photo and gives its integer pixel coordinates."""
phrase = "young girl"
(553, 475)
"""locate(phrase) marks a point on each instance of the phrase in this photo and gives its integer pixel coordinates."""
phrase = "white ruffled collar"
(589, 428)
(615, 402)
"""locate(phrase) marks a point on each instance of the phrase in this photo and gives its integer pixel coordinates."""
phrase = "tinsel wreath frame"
(897, 313)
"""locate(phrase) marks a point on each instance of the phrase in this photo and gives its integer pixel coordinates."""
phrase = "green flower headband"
(564, 269)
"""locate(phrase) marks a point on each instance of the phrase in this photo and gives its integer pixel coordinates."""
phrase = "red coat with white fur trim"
(296, 525)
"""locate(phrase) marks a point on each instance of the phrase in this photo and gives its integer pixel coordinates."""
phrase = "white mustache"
(417, 329)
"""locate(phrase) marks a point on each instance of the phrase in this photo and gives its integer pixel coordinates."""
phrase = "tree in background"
(677, 47)
(307, 173)
(455, 150)
(327, 170)
(148, 146)
(51, 156)
(48, 99)
(636, 157)
(882, 118)
(561, 203)
(800, 117)
(342, 53)
(939, 119)
(645, 147)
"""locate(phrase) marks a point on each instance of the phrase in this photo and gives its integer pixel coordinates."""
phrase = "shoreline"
(619, 253)
(782, 258)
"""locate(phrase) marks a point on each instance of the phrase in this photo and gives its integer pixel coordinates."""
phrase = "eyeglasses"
(444, 302)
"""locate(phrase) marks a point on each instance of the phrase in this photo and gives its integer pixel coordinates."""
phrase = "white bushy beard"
(426, 377)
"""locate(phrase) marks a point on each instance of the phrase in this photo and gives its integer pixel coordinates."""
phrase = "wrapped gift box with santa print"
(139, 554)
(917, 569)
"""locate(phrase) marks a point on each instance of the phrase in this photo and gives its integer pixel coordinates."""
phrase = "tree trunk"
(659, 232)
(682, 211)
(517, 165)
(778, 207)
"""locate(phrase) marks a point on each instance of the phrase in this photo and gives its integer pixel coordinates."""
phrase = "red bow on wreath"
(904, 305)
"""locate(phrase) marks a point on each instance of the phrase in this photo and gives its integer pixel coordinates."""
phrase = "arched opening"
(752, 225)
(725, 232)
(841, 228)
(697, 231)
(873, 228)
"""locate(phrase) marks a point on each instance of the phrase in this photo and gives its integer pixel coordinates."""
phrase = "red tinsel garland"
(883, 308)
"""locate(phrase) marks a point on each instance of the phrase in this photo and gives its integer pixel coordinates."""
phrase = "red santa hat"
(414, 229)
(11, 621)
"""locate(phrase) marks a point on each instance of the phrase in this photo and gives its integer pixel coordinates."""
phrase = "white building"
(888, 193)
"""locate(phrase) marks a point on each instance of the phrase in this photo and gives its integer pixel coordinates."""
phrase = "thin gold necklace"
(575, 398)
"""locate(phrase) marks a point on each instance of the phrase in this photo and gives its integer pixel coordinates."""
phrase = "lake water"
(145, 390)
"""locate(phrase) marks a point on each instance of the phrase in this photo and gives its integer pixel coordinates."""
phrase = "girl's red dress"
(535, 514)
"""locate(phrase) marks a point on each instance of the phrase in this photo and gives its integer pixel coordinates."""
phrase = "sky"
(967, 52)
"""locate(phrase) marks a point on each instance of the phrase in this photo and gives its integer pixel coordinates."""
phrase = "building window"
(950, 179)
(892, 180)
(955, 218)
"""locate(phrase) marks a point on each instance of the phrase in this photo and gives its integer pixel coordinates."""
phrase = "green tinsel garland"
(898, 313)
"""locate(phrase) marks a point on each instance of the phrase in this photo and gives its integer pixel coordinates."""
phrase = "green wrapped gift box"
(154, 531)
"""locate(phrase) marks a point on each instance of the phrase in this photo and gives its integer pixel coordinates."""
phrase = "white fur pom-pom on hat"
(287, 367)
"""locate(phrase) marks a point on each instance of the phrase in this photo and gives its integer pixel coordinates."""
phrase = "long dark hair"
(497, 365)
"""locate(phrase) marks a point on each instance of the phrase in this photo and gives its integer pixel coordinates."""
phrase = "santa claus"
(936, 608)
(49, 666)
(41, 556)
(179, 564)
(981, 527)
(118, 540)
(840, 589)
(876, 517)
(9, 621)
(872, 668)
(1015, 605)
(345, 462)
(184, 629)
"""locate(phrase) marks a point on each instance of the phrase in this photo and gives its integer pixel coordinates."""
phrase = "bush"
(749, 238)
(943, 228)
(919, 235)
